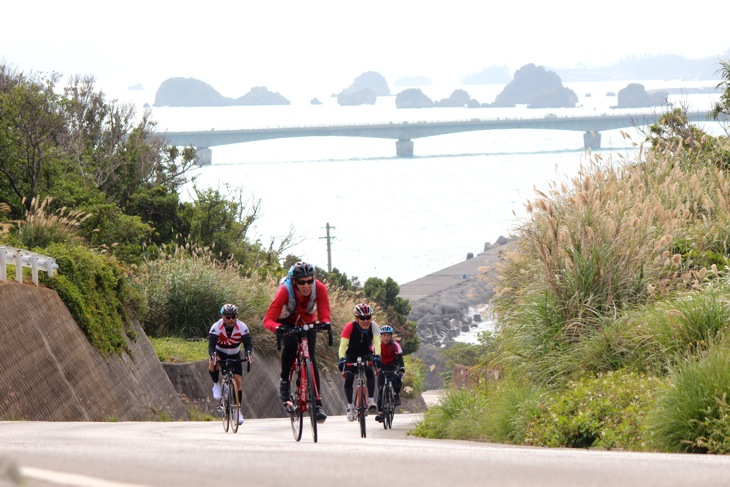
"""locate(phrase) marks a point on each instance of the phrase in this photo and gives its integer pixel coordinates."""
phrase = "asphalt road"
(264, 453)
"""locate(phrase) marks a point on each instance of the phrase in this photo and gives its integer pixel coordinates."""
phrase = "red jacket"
(300, 315)
(391, 354)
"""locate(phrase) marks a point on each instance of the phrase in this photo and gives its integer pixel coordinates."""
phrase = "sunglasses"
(229, 317)
(364, 318)
(303, 282)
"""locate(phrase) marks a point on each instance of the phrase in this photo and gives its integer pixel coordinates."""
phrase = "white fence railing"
(23, 258)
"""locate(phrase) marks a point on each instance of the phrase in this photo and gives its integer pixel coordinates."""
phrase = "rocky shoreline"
(452, 301)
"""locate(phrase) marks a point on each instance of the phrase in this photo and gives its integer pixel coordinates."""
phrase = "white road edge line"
(71, 479)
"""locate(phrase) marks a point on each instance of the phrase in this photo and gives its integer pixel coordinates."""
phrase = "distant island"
(664, 67)
(191, 92)
(532, 85)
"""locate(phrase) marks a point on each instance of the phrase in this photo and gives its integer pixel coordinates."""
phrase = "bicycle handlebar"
(364, 363)
(301, 330)
(223, 361)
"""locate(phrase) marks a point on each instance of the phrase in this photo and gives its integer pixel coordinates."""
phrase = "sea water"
(401, 217)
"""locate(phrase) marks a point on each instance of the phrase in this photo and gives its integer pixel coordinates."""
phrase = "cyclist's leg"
(239, 387)
(214, 371)
(370, 380)
(349, 379)
(288, 354)
(397, 385)
(381, 381)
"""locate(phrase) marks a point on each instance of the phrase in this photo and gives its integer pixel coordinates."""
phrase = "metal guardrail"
(24, 258)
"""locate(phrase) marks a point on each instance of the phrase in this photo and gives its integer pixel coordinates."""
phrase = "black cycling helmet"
(229, 309)
(301, 269)
(363, 310)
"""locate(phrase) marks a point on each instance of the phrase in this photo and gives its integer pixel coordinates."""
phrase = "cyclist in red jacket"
(298, 301)
(391, 355)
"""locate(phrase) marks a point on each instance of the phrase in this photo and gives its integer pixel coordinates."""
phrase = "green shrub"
(512, 405)
(460, 415)
(413, 381)
(692, 414)
(604, 412)
(94, 289)
(185, 292)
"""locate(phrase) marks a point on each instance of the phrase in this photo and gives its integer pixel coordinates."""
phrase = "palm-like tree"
(723, 106)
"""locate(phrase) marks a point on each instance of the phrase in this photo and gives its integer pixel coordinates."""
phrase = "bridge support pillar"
(205, 156)
(404, 148)
(592, 140)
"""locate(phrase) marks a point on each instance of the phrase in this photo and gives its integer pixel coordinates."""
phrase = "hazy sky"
(235, 44)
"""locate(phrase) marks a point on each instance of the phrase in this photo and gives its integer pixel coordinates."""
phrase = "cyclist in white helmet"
(360, 338)
(224, 341)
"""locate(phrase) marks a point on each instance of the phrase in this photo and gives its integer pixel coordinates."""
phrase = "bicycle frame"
(361, 392)
(229, 407)
(306, 396)
(387, 401)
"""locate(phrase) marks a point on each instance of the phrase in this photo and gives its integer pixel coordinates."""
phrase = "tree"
(340, 279)
(673, 134)
(723, 106)
(385, 294)
(31, 124)
(115, 154)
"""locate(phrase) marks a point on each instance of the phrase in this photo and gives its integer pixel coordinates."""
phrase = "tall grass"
(616, 236)
(185, 288)
(43, 227)
(616, 285)
(693, 415)
(5, 226)
(461, 414)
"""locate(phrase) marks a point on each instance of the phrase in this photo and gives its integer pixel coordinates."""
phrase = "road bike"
(228, 406)
(305, 397)
(360, 401)
(387, 400)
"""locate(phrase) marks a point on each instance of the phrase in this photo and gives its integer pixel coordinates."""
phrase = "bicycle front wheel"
(296, 415)
(225, 407)
(388, 406)
(362, 409)
(311, 398)
(234, 406)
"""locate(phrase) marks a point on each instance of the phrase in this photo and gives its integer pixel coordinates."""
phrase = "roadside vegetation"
(613, 309)
(88, 181)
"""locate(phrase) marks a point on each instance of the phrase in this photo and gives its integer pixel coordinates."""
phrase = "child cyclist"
(391, 357)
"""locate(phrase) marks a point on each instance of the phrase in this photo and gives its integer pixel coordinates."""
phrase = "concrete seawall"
(52, 372)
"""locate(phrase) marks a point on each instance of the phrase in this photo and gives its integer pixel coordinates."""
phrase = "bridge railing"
(23, 258)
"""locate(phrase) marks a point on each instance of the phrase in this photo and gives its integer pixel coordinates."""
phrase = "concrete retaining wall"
(52, 372)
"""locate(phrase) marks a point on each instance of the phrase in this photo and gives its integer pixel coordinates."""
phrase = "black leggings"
(350, 378)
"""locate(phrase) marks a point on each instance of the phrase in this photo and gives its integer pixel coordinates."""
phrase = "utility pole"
(329, 247)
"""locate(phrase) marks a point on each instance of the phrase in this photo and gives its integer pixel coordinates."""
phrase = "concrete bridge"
(405, 132)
